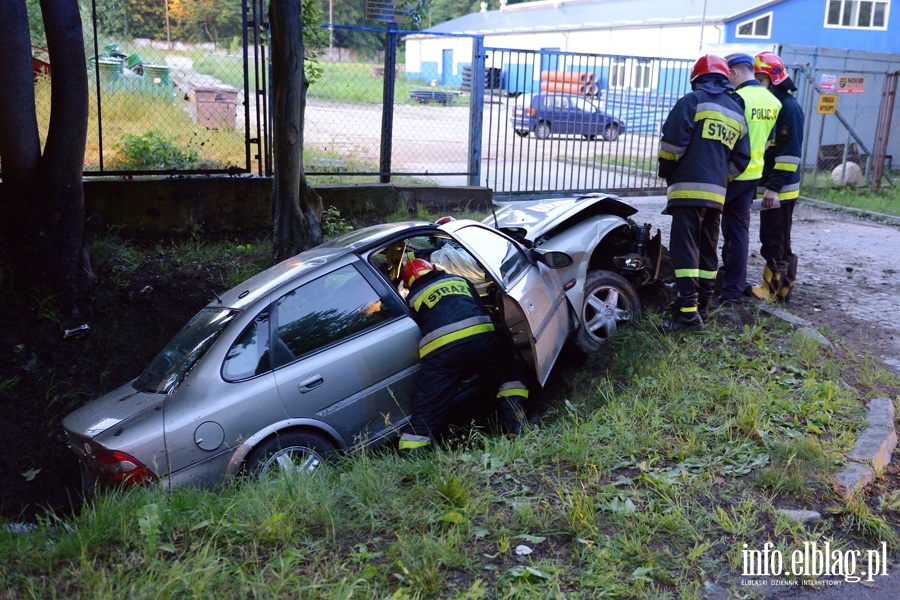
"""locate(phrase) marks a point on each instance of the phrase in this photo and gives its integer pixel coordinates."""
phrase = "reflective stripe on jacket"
(781, 172)
(704, 145)
(761, 110)
(448, 310)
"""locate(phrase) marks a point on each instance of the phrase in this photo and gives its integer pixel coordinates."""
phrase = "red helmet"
(415, 268)
(769, 64)
(709, 63)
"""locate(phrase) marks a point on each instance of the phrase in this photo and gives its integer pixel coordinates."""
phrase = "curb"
(868, 214)
(875, 445)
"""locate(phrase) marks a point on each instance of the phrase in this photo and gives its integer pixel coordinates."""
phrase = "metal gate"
(561, 123)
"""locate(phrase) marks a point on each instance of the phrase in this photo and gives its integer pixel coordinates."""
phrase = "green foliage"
(333, 224)
(154, 150)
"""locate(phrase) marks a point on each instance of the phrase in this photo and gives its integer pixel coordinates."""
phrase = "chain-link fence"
(168, 86)
(849, 104)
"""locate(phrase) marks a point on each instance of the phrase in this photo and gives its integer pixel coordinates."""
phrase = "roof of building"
(567, 15)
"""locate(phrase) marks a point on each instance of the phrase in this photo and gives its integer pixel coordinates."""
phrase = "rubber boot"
(771, 281)
(703, 309)
(788, 280)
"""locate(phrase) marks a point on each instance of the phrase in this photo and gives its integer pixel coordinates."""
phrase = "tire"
(542, 130)
(611, 133)
(609, 302)
(589, 136)
(522, 133)
(299, 451)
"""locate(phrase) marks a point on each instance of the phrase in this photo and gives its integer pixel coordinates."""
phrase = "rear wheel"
(296, 452)
(609, 303)
(611, 133)
(589, 136)
(542, 130)
(522, 133)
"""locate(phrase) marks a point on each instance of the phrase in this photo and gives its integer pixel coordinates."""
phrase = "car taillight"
(530, 112)
(120, 468)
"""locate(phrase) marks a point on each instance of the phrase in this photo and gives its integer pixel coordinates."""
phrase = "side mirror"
(552, 258)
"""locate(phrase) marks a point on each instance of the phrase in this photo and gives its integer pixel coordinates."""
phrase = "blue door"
(447, 67)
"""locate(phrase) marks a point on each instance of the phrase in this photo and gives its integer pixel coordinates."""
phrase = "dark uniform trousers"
(736, 237)
(694, 237)
(775, 240)
(488, 355)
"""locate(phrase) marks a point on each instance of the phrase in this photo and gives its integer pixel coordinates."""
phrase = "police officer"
(704, 144)
(779, 186)
(761, 110)
(458, 339)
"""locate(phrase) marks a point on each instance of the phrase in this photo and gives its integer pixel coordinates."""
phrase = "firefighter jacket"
(781, 172)
(448, 310)
(704, 144)
(761, 110)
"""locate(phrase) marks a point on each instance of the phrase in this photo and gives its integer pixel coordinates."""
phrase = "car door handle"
(310, 383)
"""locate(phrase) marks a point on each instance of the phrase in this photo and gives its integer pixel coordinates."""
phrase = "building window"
(856, 14)
(640, 74)
(617, 73)
(759, 27)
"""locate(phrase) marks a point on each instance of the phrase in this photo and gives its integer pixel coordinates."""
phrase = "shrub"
(154, 150)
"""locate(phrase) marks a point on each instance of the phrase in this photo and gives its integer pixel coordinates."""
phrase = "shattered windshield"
(183, 351)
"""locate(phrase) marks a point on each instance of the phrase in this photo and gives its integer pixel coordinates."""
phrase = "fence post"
(883, 128)
(476, 110)
(387, 113)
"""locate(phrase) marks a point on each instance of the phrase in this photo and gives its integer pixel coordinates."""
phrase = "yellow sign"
(827, 104)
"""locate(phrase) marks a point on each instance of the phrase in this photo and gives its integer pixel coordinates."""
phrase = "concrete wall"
(155, 206)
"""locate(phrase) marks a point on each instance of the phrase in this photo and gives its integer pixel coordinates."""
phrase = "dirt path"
(847, 277)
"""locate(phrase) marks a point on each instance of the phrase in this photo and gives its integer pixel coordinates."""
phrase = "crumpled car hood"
(538, 218)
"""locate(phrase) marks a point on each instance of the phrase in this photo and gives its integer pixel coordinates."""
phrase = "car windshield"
(183, 351)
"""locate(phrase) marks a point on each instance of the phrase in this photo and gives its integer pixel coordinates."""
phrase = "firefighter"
(458, 339)
(704, 144)
(779, 186)
(761, 110)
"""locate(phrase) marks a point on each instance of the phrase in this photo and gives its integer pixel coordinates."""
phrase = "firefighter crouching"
(458, 339)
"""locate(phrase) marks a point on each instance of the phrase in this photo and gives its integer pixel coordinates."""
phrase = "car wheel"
(542, 130)
(521, 133)
(611, 133)
(589, 136)
(609, 303)
(297, 452)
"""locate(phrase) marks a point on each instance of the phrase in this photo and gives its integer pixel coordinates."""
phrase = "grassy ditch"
(646, 471)
(885, 200)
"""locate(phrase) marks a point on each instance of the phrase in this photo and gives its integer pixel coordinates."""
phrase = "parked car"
(548, 114)
(320, 354)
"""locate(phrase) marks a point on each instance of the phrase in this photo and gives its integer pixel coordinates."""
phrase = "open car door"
(534, 303)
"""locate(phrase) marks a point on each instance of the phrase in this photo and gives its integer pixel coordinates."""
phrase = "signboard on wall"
(827, 104)
(827, 82)
(402, 12)
(855, 84)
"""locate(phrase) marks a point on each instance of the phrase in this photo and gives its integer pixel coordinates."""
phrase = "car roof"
(356, 241)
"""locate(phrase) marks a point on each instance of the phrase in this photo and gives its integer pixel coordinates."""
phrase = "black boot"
(703, 309)
(683, 321)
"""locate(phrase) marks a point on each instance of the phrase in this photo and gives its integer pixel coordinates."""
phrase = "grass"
(660, 459)
(885, 200)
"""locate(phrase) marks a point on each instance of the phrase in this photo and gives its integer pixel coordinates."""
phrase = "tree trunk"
(296, 207)
(20, 146)
(55, 222)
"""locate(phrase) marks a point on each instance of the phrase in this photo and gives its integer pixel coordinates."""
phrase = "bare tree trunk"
(55, 223)
(20, 146)
(296, 207)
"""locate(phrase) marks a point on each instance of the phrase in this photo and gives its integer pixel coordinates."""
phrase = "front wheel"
(609, 303)
(296, 452)
(542, 130)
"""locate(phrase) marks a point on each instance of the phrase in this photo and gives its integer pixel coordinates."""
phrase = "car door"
(533, 299)
(345, 353)
(563, 117)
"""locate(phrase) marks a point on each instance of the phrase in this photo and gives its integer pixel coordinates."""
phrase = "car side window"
(498, 253)
(325, 311)
(249, 355)
(560, 102)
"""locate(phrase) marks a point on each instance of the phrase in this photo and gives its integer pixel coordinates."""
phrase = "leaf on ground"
(523, 550)
(30, 474)
(453, 517)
